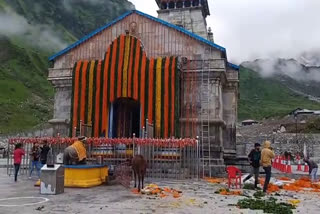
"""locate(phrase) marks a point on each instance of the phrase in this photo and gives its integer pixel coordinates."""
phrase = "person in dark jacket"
(44, 153)
(254, 160)
(313, 169)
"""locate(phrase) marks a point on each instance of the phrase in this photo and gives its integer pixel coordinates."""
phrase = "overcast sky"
(251, 29)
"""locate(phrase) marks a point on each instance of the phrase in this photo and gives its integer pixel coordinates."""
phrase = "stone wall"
(191, 19)
(282, 142)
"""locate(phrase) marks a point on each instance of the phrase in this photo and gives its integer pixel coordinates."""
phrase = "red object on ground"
(17, 155)
(277, 162)
(274, 163)
(289, 169)
(299, 168)
(234, 174)
(281, 164)
(284, 167)
(306, 167)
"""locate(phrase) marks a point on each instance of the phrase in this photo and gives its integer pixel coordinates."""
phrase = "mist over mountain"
(274, 87)
(30, 31)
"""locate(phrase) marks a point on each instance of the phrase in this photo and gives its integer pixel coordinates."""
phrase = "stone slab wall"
(282, 142)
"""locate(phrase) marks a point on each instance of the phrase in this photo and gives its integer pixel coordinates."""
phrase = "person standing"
(313, 169)
(44, 153)
(254, 159)
(35, 156)
(266, 161)
(17, 157)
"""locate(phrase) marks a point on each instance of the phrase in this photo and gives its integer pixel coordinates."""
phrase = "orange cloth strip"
(76, 95)
(97, 110)
(166, 97)
(83, 90)
(173, 85)
(90, 92)
(158, 88)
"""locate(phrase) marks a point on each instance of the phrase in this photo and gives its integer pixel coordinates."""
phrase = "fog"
(42, 36)
(251, 29)
(291, 68)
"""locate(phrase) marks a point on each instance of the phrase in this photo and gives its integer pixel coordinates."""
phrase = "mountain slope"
(263, 97)
(30, 31)
(291, 73)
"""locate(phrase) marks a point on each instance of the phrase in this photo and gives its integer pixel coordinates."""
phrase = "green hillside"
(24, 91)
(267, 97)
(33, 30)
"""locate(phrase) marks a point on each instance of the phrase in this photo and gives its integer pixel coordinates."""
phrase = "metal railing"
(166, 158)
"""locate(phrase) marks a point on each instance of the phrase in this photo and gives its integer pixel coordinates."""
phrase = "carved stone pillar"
(230, 93)
(61, 80)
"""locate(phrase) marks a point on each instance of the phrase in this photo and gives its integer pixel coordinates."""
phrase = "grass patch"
(259, 194)
(268, 206)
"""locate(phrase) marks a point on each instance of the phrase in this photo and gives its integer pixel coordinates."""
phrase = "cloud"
(291, 68)
(68, 4)
(259, 29)
(42, 36)
(251, 29)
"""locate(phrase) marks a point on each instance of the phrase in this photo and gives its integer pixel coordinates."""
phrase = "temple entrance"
(125, 118)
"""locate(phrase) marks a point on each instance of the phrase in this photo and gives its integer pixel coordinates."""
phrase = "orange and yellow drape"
(126, 72)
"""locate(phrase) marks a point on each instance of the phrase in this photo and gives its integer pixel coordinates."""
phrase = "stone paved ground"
(198, 197)
(3, 162)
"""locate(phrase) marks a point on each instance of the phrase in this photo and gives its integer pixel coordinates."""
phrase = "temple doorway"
(125, 118)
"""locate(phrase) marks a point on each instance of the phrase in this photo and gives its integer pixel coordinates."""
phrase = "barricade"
(166, 158)
(299, 167)
(289, 169)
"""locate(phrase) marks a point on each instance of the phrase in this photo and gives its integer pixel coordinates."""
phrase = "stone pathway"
(197, 197)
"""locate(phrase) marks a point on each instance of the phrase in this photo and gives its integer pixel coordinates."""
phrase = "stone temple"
(153, 77)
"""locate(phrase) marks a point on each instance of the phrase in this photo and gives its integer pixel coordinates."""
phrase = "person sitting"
(76, 152)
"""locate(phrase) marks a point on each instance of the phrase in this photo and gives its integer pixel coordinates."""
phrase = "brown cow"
(139, 167)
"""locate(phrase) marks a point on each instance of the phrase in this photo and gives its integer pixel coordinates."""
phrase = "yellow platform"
(84, 176)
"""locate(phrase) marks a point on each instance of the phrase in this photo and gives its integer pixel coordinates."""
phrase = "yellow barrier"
(83, 176)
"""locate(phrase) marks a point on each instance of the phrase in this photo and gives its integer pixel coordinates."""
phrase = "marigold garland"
(174, 143)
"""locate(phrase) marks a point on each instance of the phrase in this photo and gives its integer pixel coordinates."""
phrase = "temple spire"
(189, 14)
(177, 4)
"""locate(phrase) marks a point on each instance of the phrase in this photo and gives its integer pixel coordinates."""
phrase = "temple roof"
(180, 29)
